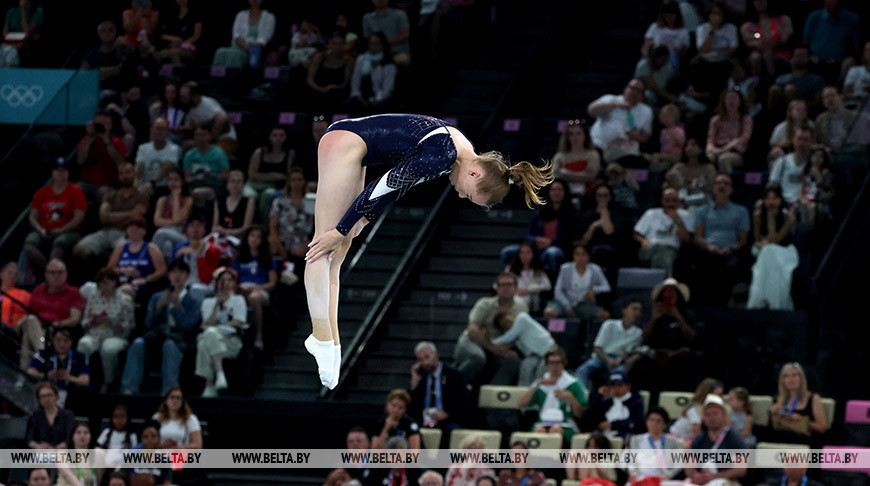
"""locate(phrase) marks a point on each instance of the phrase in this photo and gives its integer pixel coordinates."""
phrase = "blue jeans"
(551, 257)
(134, 370)
(592, 366)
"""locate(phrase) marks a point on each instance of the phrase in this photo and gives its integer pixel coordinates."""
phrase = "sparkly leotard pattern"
(418, 147)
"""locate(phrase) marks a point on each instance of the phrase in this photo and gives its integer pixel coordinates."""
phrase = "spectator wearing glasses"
(66, 368)
(179, 426)
(50, 426)
(558, 396)
(622, 123)
(577, 162)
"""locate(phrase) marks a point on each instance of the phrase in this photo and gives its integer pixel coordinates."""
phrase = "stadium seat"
(551, 482)
(779, 445)
(505, 397)
(830, 404)
(570, 482)
(639, 278)
(834, 467)
(579, 441)
(490, 438)
(760, 405)
(645, 395)
(674, 402)
(858, 412)
(538, 441)
(431, 437)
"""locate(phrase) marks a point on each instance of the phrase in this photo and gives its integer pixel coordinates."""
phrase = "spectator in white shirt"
(622, 123)
(661, 231)
(531, 277)
(857, 82)
(223, 317)
(654, 440)
(716, 41)
(668, 29)
(205, 111)
(532, 340)
(614, 345)
(578, 283)
(788, 170)
(156, 158)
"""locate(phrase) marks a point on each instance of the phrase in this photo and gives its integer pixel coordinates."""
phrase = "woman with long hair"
(688, 424)
(79, 475)
(766, 36)
(418, 148)
(374, 75)
(168, 105)
(798, 415)
(179, 426)
(258, 275)
(577, 161)
(268, 170)
(531, 277)
(171, 213)
(729, 131)
(776, 256)
(780, 139)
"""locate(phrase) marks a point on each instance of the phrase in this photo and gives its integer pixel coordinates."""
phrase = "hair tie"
(510, 180)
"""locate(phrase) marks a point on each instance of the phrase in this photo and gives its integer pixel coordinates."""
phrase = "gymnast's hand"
(325, 244)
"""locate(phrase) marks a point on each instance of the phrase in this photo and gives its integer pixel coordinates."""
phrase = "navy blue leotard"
(419, 148)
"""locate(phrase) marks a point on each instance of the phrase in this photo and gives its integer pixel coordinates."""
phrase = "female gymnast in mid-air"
(419, 148)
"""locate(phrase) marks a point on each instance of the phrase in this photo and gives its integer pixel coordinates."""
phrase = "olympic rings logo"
(21, 95)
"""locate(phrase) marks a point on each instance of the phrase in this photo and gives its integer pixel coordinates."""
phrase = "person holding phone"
(99, 153)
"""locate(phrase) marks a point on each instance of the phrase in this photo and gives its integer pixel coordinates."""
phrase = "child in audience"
(118, 435)
(741, 415)
(597, 442)
(672, 138)
(688, 425)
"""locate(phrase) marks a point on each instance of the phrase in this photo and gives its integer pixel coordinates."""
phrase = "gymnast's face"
(464, 179)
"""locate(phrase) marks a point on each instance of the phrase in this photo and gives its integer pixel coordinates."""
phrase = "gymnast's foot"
(324, 355)
(336, 367)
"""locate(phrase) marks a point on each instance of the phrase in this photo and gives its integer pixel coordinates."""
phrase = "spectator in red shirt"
(117, 211)
(56, 214)
(202, 257)
(56, 303)
(100, 153)
(11, 311)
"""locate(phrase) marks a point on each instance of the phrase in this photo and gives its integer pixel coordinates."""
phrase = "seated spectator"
(179, 36)
(833, 126)
(116, 212)
(776, 256)
(268, 170)
(53, 304)
(658, 76)
(797, 416)
(258, 275)
(729, 132)
(741, 415)
(856, 86)
(799, 83)
(459, 474)
(550, 229)
(474, 348)
(668, 30)
(50, 426)
(330, 72)
(558, 397)
(26, 21)
(693, 177)
(374, 75)
(788, 169)
(252, 30)
(304, 44)
(224, 317)
(118, 435)
(138, 262)
(793, 476)
(669, 336)
(531, 339)
(201, 257)
(766, 36)
(74, 474)
(140, 21)
(716, 41)
(108, 320)
(616, 411)
(431, 478)
(783, 133)
(100, 153)
(619, 136)
(205, 166)
(169, 106)
(120, 479)
(171, 213)
(833, 34)
(672, 138)
(532, 280)
(205, 111)
(106, 57)
(156, 158)
(290, 226)
(661, 231)
(623, 189)
(56, 215)
(721, 231)
(396, 423)
(306, 149)
(179, 426)
(595, 475)
(516, 476)
(614, 346)
(578, 283)
(130, 118)
(577, 162)
(233, 214)
(602, 229)
(655, 439)
(37, 476)
(150, 441)
(395, 26)
(747, 85)
(398, 474)
(817, 190)
(439, 395)
(172, 314)
(688, 425)
(15, 301)
(716, 436)
(66, 368)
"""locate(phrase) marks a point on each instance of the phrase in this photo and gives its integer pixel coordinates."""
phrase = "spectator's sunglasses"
(577, 122)
(318, 118)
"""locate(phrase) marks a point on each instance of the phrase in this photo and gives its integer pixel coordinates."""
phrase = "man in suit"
(439, 395)
(616, 409)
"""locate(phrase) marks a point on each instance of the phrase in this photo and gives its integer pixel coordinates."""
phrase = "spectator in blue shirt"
(258, 275)
(833, 34)
(721, 231)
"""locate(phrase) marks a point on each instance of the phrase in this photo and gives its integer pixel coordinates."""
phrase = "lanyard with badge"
(62, 392)
(711, 465)
(790, 410)
(660, 456)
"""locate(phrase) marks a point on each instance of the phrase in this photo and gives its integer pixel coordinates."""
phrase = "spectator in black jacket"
(50, 425)
(616, 409)
(439, 395)
(551, 229)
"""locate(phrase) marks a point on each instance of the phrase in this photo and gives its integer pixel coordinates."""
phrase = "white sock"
(324, 356)
(336, 367)
(220, 381)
